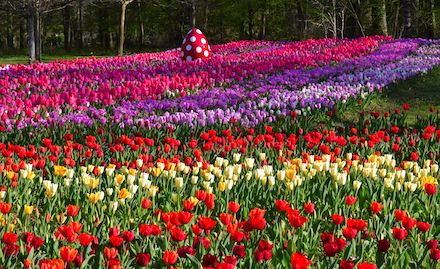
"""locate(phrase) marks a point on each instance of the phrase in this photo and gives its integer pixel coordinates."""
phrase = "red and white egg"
(195, 46)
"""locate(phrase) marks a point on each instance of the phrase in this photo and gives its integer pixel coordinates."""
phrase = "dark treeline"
(126, 26)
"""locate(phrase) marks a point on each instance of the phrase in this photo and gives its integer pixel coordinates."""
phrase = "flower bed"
(97, 189)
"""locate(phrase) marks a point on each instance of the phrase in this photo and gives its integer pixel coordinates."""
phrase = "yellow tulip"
(222, 186)
(93, 183)
(124, 193)
(356, 184)
(10, 175)
(156, 171)
(193, 200)
(28, 209)
(30, 175)
(93, 198)
(119, 179)
(61, 218)
(132, 171)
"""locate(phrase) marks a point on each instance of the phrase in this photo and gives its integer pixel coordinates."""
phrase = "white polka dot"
(188, 47)
(193, 39)
(198, 31)
(198, 49)
(206, 53)
(203, 41)
(184, 40)
(189, 58)
(181, 54)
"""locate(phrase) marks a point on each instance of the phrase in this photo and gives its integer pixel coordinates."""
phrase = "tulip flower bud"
(133, 189)
(236, 157)
(139, 162)
(47, 219)
(109, 171)
(152, 191)
(229, 184)
(178, 182)
(218, 162)
(398, 186)
(271, 180)
(130, 179)
(174, 196)
(206, 184)
(290, 186)
(281, 175)
(237, 169)
(248, 175)
(90, 168)
(196, 170)
(356, 184)
(434, 168)
(262, 156)
(249, 163)
(194, 180)
(221, 186)
(186, 170)
(96, 222)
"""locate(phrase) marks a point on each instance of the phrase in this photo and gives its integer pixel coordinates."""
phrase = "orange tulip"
(170, 257)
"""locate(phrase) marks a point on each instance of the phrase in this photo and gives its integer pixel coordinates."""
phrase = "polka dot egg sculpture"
(195, 46)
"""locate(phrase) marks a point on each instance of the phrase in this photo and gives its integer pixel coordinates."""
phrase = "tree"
(406, 18)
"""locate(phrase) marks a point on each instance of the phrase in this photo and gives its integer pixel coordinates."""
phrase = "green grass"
(23, 59)
(421, 93)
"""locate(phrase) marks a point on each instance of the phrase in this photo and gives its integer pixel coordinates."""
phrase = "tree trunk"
(172, 37)
(30, 26)
(334, 20)
(121, 27)
(433, 27)
(222, 37)
(406, 18)
(10, 32)
(67, 29)
(141, 27)
(251, 26)
(21, 34)
(38, 35)
(205, 25)
(192, 14)
(301, 21)
(342, 22)
(80, 25)
(383, 18)
(263, 21)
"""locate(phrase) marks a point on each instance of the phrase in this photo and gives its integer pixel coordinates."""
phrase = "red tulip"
(408, 223)
(337, 219)
(330, 249)
(297, 221)
(72, 210)
(68, 254)
(423, 227)
(146, 203)
(178, 235)
(376, 207)
(233, 207)
(128, 236)
(383, 245)
(143, 259)
(9, 238)
(237, 236)
(110, 253)
(350, 200)
(226, 218)
(184, 217)
(309, 208)
(5, 208)
(399, 233)
(209, 260)
(299, 261)
(349, 233)
(188, 205)
(85, 239)
(435, 254)
(414, 156)
(116, 241)
(366, 265)
(346, 265)
(206, 223)
(281, 205)
(170, 257)
(239, 251)
(184, 251)
(399, 214)
(431, 244)
(430, 188)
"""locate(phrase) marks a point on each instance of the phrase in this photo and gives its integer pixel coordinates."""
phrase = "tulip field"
(148, 161)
